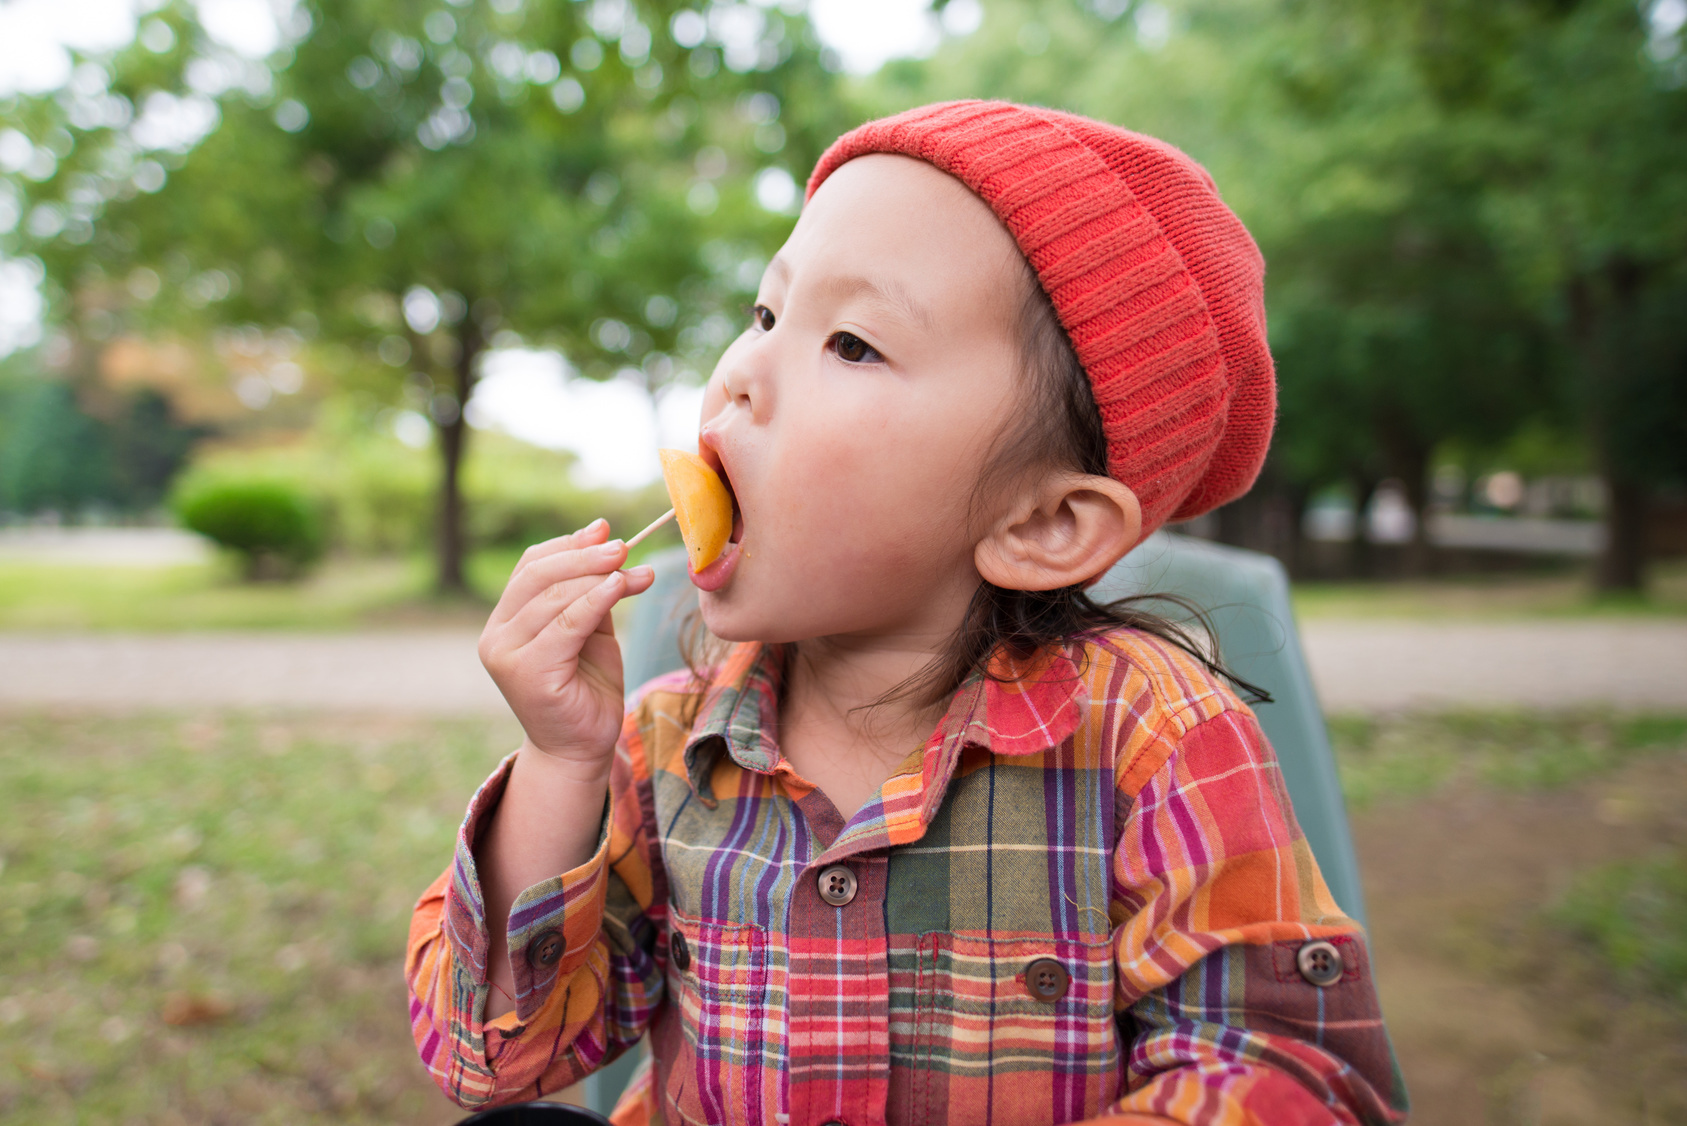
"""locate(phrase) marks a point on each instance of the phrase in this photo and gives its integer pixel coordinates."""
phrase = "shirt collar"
(1022, 707)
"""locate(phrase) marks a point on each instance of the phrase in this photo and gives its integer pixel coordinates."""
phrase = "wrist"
(575, 770)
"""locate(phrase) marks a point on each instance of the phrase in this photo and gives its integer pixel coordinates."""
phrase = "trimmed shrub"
(272, 526)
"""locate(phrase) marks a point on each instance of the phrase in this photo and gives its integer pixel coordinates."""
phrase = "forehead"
(905, 226)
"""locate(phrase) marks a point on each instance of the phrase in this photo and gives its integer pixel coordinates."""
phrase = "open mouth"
(712, 458)
(714, 576)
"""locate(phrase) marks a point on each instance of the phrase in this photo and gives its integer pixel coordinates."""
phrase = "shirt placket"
(838, 980)
(839, 993)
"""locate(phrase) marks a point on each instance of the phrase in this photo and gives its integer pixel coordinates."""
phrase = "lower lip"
(715, 575)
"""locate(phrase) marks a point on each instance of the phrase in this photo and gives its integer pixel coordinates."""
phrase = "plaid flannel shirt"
(1086, 897)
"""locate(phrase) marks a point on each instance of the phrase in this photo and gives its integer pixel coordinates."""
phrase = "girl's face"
(853, 418)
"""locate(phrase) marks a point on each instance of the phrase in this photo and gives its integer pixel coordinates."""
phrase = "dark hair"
(1060, 428)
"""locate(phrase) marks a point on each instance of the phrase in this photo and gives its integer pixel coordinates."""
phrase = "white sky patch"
(246, 27)
(868, 33)
(613, 427)
(36, 37)
(20, 304)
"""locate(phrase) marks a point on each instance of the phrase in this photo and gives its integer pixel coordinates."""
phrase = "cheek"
(879, 481)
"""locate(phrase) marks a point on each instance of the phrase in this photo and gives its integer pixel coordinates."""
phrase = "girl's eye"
(762, 317)
(852, 349)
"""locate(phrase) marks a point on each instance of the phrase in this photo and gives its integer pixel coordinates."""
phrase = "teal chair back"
(1246, 598)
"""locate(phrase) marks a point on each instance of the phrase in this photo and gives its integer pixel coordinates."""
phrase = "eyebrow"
(898, 300)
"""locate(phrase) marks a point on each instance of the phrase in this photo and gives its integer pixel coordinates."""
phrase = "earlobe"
(1068, 533)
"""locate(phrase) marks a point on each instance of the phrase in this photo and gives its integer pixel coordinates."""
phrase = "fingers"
(589, 614)
(595, 532)
(553, 601)
(639, 579)
(536, 574)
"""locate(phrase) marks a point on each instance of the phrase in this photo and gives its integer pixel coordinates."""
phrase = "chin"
(723, 619)
(737, 622)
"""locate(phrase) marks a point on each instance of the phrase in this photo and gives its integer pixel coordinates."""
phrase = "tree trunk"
(453, 436)
(1406, 457)
(1290, 518)
(1622, 565)
(1601, 309)
(1414, 475)
(1362, 558)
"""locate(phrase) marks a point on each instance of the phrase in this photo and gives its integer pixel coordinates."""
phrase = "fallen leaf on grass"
(196, 1008)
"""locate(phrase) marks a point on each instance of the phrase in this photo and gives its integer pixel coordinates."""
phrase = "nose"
(747, 375)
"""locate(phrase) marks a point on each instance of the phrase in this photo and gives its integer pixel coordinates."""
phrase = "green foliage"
(54, 454)
(376, 495)
(411, 182)
(1407, 756)
(520, 495)
(264, 868)
(1473, 213)
(270, 524)
(1634, 915)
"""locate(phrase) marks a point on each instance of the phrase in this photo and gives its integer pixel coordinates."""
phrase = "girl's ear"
(1068, 532)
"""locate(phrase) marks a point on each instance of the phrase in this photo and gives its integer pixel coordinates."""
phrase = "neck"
(839, 683)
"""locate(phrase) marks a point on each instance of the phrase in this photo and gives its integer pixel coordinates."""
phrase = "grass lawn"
(204, 916)
(1559, 594)
(342, 594)
(359, 593)
(1526, 878)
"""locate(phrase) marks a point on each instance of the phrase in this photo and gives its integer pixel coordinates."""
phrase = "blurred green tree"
(53, 455)
(1392, 315)
(1474, 211)
(403, 183)
(1583, 105)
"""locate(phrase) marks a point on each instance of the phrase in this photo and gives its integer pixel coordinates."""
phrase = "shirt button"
(1046, 980)
(837, 885)
(1320, 963)
(545, 950)
(680, 951)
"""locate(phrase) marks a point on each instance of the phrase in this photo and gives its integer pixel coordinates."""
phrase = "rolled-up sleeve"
(1217, 895)
(582, 950)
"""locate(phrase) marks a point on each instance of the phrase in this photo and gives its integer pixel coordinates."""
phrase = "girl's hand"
(550, 645)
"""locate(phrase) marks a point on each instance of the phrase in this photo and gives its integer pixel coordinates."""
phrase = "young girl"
(939, 840)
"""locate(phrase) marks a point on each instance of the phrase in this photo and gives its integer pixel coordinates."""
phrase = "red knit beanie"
(1158, 284)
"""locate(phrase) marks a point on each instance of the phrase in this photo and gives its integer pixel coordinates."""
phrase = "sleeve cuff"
(553, 924)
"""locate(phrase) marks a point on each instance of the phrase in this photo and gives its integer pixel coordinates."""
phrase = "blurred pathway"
(1384, 665)
(1357, 665)
(430, 673)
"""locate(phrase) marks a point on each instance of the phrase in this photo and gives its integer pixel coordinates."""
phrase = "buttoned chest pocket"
(1024, 1027)
(718, 980)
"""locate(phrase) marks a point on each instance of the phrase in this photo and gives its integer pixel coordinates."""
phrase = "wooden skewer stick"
(654, 524)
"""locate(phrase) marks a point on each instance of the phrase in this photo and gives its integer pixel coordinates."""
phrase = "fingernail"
(640, 571)
(611, 547)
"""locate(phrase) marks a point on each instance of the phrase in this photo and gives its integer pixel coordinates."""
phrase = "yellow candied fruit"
(701, 505)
